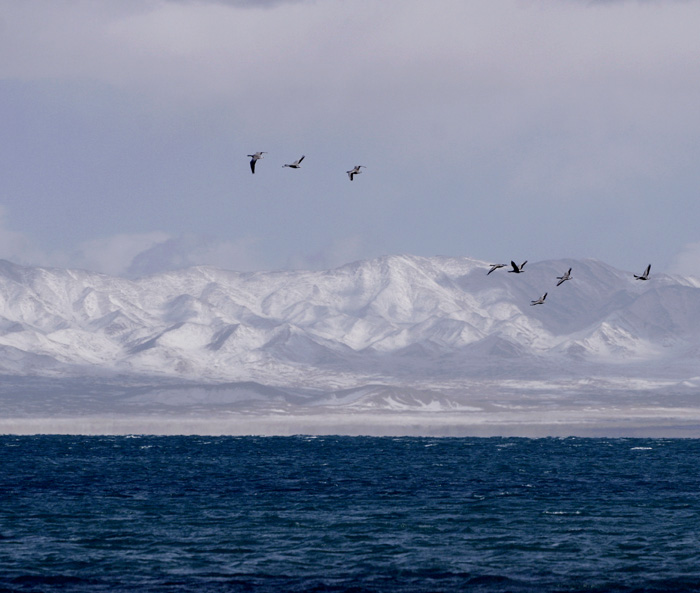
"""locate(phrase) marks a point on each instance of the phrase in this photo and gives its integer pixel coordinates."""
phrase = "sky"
(517, 129)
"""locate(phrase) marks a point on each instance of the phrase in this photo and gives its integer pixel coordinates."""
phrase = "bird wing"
(560, 282)
(252, 166)
(301, 159)
(515, 266)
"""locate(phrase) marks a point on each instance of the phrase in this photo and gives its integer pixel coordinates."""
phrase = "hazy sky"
(509, 129)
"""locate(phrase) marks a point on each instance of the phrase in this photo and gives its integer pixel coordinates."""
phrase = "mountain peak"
(400, 316)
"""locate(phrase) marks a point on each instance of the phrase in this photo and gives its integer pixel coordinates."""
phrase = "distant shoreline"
(599, 423)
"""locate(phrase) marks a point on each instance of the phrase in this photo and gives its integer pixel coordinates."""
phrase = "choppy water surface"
(348, 514)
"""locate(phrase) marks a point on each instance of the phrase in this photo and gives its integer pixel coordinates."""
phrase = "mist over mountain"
(392, 334)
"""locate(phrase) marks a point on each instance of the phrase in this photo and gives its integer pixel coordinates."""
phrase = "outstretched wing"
(252, 166)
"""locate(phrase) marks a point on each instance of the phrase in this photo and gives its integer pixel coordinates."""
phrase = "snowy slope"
(436, 324)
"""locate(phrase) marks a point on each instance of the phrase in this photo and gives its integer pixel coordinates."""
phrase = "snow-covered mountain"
(391, 333)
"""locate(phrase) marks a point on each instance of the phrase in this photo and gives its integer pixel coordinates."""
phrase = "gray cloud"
(241, 3)
(487, 128)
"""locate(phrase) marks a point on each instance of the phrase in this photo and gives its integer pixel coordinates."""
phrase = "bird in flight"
(645, 275)
(564, 278)
(517, 269)
(355, 171)
(539, 301)
(295, 164)
(494, 267)
(254, 159)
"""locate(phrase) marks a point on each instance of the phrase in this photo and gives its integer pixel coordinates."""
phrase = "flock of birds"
(254, 158)
(518, 269)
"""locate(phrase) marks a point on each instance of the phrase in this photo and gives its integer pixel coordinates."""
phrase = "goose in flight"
(254, 158)
(517, 269)
(355, 171)
(564, 278)
(645, 275)
(539, 301)
(495, 267)
(295, 164)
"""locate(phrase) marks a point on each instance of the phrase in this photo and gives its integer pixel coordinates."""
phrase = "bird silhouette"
(255, 158)
(355, 171)
(645, 274)
(539, 301)
(564, 278)
(517, 269)
(495, 267)
(295, 164)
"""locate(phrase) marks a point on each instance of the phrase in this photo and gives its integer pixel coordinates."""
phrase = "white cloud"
(338, 252)
(114, 255)
(16, 246)
(140, 254)
(687, 261)
(190, 250)
(109, 255)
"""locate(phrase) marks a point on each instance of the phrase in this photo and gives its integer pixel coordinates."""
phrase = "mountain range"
(393, 341)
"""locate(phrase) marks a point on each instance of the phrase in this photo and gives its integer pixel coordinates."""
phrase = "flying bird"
(539, 301)
(295, 164)
(645, 275)
(495, 267)
(254, 158)
(517, 269)
(355, 171)
(564, 278)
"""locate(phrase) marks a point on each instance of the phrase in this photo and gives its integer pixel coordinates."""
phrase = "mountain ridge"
(393, 333)
(383, 305)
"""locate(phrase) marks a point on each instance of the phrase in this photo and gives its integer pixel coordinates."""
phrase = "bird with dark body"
(517, 269)
(645, 274)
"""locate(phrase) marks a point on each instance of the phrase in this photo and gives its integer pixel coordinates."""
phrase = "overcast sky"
(509, 129)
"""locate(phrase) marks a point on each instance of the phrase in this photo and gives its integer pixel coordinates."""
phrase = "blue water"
(348, 514)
